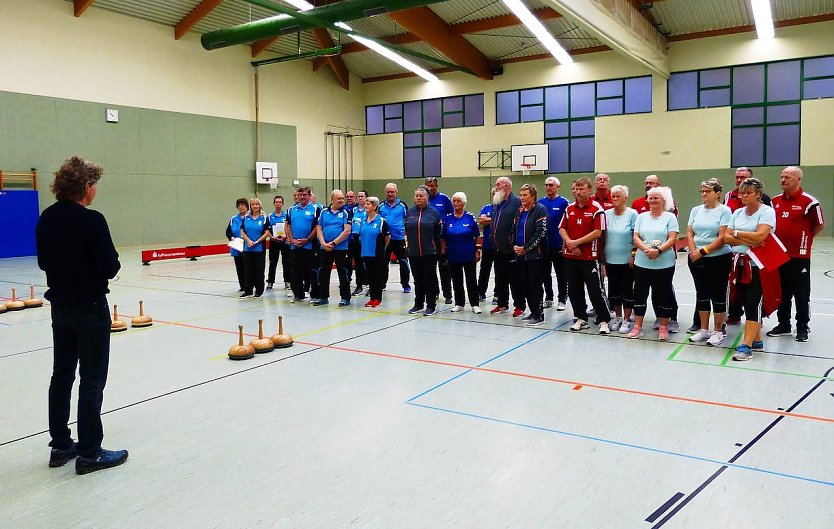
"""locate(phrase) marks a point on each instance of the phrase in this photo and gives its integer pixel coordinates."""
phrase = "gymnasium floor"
(379, 419)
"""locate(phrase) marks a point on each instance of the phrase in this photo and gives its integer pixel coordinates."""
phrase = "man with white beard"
(505, 205)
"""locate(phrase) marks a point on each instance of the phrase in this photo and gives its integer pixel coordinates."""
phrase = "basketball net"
(526, 169)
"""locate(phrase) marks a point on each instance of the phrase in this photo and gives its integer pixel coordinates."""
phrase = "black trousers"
(279, 250)
(445, 278)
(304, 272)
(710, 275)
(239, 269)
(375, 267)
(81, 337)
(398, 249)
(507, 280)
(795, 277)
(459, 271)
(254, 264)
(620, 285)
(750, 296)
(426, 288)
(487, 258)
(326, 260)
(358, 264)
(582, 274)
(532, 277)
(556, 259)
(663, 293)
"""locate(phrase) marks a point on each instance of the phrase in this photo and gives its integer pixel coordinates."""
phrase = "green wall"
(169, 177)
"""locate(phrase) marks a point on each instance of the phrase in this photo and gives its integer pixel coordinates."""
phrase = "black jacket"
(422, 229)
(535, 232)
(502, 234)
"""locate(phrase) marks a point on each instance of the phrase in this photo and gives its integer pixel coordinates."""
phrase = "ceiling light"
(302, 5)
(538, 29)
(388, 54)
(764, 18)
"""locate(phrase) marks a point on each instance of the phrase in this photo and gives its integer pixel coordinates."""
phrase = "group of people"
(528, 240)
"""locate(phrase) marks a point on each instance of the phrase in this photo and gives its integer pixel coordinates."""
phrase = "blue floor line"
(626, 445)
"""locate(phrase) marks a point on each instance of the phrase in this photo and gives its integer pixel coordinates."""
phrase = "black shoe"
(482, 297)
(241, 290)
(59, 457)
(802, 335)
(448, 300)
(358, 290)
(780, 330)
(101, 460)
(415, 310)
(246, 295)
(269, 286)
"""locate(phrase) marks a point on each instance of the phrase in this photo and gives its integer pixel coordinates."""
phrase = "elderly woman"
(749, 227)
(530, 245)
(355, 246)
(254, 232)
(423, 228)
(619, 259)
(373, 239)
(459, 244)
(333, 232)
(709, 261)
(655, 232)
(233, 232)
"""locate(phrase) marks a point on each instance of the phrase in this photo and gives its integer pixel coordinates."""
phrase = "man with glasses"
(301, 230)
(555, 206)
(394, 211)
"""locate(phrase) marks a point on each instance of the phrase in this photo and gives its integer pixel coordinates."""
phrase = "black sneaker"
(802, 335)
(59, 457)
(358, 290)
(101, 460)
(780, 330)
(535, 322)
(415, 310)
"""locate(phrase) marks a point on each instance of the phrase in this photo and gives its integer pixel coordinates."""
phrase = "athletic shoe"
(476, 309)
(495, 301)
(59, 457)
(734, 320)
(499, 310)
(758, 345)
(743, 353)
(481, 297)
(578, 325)
(802, 335)
(560, 306)
(373, 304)
(259, 295)
(100, 460)
(615, 324)
(246, 295)
(448, 300)
(357, 291)
(430, 311)
(780, 330)
(534, 322)
(415, 310)
(674, 327)
(344, 303)
(716, 338)
(269, 286)
(636, 332)
(663, 333)
(517, 312)
(457, 308)
(313, 300)
(603, 328)
(626, 327)
(693, 328)
(528, 317)
(241, 290)
(548, 303)
(702, 336)
(406, 290)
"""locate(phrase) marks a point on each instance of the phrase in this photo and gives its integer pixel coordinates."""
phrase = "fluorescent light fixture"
(302, 5)
(763, 17)
(390, 55)
(538, 29)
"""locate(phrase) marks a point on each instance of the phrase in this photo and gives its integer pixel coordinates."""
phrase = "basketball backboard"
(534, 156)
(266, 173)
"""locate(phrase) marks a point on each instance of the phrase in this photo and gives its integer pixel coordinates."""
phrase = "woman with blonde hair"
(254, 231)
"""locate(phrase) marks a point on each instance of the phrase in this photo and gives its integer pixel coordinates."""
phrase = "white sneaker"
(457, 308)
(701, 336)
(626, 327)
(603, 327)
(561, 306)
(578, 325)
(615, 324)
(717, 338)
(476, 309)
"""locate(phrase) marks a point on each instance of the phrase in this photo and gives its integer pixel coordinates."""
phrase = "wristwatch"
(735, 234)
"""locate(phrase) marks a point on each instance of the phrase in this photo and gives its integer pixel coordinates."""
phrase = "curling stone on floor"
(141, 320)
(15, 304)
(117, 325)
(281, 340)
(241, 351)
(32, 302)
(3, 308)
(261, 344)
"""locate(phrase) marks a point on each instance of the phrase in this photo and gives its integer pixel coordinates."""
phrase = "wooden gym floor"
(379, 419)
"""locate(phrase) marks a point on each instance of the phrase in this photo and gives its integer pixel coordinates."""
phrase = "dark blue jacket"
(535, 232)
(502, 234)
(423, 227)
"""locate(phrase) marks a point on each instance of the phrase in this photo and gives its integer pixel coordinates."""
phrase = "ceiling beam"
(336, 63)
(197, 14)
(428, 25)
(79, 6)
(744, 29)
(259, 46)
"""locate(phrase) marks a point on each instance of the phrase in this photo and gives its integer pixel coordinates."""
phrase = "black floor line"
(665, 507)
(25, 352)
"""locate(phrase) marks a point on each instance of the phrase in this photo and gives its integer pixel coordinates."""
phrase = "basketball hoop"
(526, 168)
(273, 184)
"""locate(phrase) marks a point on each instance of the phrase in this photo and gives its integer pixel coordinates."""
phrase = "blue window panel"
(431, 114)
(452, 120)
(719, 77)
(582, 128)
(716, 97)
(558, 156)
(783, 145)
(431, 138)
(582, 99)
(556, 130)
(609, 107)
(452, 104)
(413, 115)
(748, 147)
(783, 81)
(683, 91)
(474, 110)
(748, 116)
(783, 113)
(748, 84)
(394, 111)
(610, 88)
(533, 96)
(821, 67)
(431, 161)
(374, 120)
(413, 163)
(415, 139)
(819, 88)
(507, 107)
(394, 125)
(638, 95)
(581, 154)
(556, 102)
(532, 114)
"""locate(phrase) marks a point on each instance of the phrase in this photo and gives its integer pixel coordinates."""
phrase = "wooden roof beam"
(197, 14)
(79, 6)
(259, 46)
(336, 63)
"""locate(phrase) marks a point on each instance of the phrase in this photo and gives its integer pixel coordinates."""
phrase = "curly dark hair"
(72, 179)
